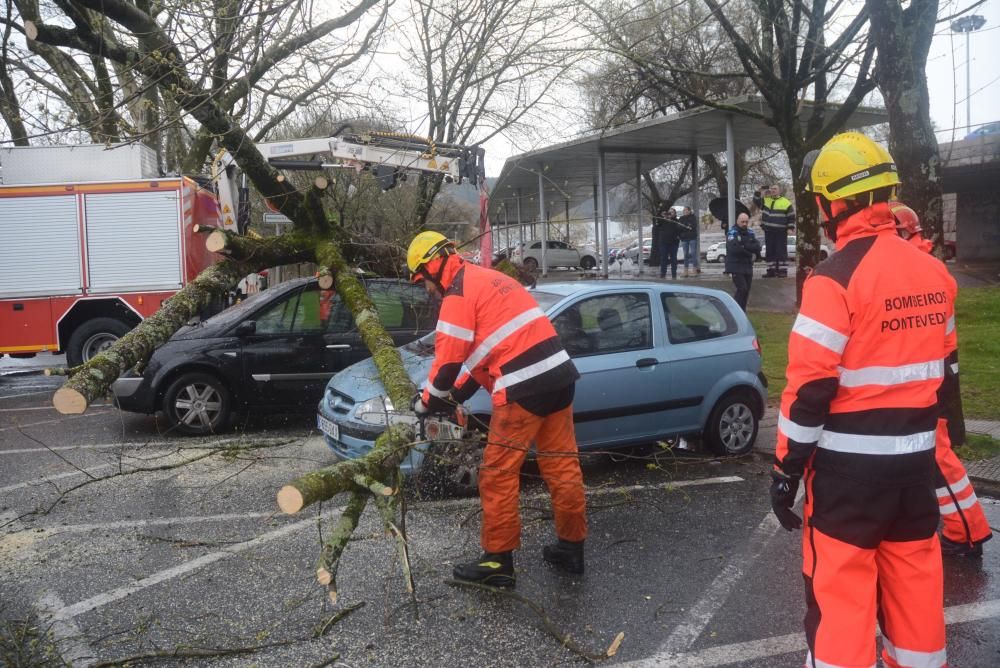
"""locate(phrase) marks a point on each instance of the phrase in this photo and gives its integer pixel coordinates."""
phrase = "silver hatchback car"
(656, 361)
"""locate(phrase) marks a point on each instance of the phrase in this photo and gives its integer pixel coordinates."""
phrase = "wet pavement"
(177, 543)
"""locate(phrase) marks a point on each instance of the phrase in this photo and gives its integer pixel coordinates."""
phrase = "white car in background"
(557, 254)
(717, 252)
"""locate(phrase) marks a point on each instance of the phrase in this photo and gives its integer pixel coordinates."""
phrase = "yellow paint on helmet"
(425, 247)
(850, 164)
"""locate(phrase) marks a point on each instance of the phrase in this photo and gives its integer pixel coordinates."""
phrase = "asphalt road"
(121, 540)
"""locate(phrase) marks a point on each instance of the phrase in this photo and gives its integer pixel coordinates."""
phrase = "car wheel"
(531, 264)
(732, 426)
(823, 255)
(588, 263)
(92, 338)
(197, 404)
(720, 259)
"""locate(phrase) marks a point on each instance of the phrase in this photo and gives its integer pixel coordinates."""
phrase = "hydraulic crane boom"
(386, 154)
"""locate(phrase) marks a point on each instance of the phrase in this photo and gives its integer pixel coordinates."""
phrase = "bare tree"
(259, 60)
(483, 67)
(145, 46)
(789, 51)
(903, 39)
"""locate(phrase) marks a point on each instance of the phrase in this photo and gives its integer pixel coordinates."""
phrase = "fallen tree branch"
(93, 378)
(333, 548)
(196, 653)
(336, 618)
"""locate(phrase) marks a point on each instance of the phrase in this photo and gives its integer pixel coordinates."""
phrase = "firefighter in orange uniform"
(857, 425)
(492, 334)
(964, 527)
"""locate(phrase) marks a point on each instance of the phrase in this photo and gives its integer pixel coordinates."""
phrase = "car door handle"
(338, 346)
(647, 361)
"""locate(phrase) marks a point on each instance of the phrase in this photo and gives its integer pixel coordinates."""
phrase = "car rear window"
(694, 317)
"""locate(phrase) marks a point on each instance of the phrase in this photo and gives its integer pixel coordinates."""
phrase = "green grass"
(978, 447)
(978, 318)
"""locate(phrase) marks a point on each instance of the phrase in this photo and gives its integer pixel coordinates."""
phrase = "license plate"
(327, 427)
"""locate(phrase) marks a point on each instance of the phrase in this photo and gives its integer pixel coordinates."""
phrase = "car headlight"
(374, 411)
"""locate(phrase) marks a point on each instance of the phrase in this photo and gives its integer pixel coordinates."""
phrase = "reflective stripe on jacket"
(494, 328)
(775, 211)
(867, 356)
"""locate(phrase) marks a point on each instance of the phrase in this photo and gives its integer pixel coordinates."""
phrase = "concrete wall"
(978, 225)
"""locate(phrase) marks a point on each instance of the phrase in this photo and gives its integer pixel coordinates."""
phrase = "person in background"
(689, 240)
(742, 246)
(669, 241)
(857, 423)
(777, 218)
(964, 527)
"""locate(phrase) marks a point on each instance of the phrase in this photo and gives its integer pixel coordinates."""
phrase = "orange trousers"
(962, 516)
(512, 431)
(883, 564)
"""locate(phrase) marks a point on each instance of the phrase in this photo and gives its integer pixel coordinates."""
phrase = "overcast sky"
(945, 80)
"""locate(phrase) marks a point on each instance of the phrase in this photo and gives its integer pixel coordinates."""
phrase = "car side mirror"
(246, 328)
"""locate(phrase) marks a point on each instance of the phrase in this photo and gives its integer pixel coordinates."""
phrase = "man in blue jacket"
(742, 247)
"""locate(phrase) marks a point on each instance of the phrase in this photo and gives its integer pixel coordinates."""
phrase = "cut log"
(321, 183)
(390, 448)
(265, 252)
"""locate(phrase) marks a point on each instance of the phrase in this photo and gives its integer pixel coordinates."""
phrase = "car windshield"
(424, 346)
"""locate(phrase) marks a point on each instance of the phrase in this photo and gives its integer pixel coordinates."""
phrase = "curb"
(985, 486)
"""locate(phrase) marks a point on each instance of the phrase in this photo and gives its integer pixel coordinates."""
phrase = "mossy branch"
(333, 548)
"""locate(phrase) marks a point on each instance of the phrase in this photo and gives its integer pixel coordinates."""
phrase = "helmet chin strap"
(851, 207)
(436, 277)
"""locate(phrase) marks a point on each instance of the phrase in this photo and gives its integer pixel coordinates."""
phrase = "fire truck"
(93, 241)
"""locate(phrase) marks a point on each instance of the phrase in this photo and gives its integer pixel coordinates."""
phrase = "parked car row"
(717, 251)
(656, 361)
(557, 254)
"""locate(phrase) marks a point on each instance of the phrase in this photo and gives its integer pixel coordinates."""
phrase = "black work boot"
(494, 569)
(951, 548)
(565, 555)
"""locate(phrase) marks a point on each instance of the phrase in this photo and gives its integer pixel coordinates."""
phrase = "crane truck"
(94, 240)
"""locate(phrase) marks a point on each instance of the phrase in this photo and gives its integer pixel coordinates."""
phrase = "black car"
(275, 350)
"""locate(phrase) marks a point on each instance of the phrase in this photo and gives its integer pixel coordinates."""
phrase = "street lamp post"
(968, 24)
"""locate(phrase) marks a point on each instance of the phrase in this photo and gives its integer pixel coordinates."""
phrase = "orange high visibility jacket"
(867, 357)
(490, 324)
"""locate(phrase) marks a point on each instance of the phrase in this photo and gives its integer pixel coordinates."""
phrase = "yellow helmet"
(847, 165)
(425, 247)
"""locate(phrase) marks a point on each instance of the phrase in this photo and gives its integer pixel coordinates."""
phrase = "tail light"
(756, 346)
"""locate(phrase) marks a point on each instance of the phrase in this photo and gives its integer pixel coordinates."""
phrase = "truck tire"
(197, 404)
(93, 337)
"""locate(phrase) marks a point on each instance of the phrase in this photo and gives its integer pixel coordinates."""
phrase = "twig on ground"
(321, 631)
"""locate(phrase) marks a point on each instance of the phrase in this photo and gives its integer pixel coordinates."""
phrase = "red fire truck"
(83, 262)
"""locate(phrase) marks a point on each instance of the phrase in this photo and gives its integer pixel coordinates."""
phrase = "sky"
(945, 79)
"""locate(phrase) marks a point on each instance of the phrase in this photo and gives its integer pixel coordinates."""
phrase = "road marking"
(100, 600)
(72, 643)
(162, 521)
(58, 476)
(724, 655)
(61, 419)
(94, 602)
(28, 394)
(701, 613)
(46, 408)
(187, 445)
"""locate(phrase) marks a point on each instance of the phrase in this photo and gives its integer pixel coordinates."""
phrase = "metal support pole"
(603, 252)
(968, 85)
(694, 208)
(604, 208)
(638, 210)
(545, 223)
(506, 225)
(520, 226)
(567, 220)
(730, 172)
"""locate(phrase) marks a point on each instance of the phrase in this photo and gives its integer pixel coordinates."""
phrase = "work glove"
(783, 491)
(418, 406)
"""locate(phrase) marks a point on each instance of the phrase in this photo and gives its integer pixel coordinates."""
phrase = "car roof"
(570, 288)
